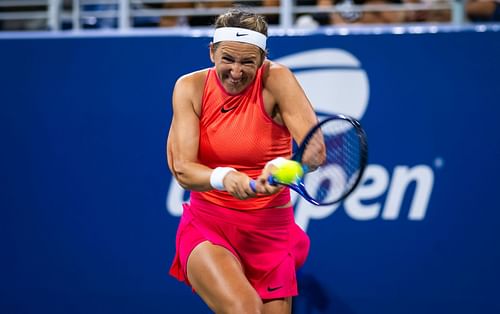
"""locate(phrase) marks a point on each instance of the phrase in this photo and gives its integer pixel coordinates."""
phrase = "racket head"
(334, 155)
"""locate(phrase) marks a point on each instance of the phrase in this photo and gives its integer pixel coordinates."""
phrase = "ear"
(212, 53)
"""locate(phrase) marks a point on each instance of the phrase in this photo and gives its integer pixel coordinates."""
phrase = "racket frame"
(299, 186)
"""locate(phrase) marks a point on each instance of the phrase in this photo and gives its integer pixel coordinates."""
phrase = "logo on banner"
(335, 82)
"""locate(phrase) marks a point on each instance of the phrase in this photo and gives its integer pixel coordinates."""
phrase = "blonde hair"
(242, 18)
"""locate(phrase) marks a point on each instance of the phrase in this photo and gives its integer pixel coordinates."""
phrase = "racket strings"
(340, 156)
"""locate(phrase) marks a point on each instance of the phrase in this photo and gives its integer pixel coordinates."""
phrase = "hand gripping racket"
(333, 155)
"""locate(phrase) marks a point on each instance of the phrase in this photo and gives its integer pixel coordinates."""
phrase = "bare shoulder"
(188, 90)
(277, 71)
(279, 78)
(192, 81)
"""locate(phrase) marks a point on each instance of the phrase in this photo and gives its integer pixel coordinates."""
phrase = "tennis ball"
(287, 171)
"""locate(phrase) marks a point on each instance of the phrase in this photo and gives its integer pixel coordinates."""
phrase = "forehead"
(237, 49)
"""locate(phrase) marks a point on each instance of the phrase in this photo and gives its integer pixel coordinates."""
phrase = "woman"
(238, 249)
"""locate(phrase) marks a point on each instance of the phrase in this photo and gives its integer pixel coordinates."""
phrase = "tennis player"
(238, 249)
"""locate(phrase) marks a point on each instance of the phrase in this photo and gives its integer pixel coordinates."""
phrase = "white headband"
(240, 34)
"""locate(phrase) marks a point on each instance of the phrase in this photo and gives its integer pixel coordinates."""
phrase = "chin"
(234, 89)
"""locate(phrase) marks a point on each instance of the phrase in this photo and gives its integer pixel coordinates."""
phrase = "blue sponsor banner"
(89, 209)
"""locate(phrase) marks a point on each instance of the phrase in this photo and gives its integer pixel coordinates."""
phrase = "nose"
(236, 71)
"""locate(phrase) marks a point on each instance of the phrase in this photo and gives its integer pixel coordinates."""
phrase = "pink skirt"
(267, 242)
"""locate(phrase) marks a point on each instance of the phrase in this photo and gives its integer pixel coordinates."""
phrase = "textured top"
(236, 131)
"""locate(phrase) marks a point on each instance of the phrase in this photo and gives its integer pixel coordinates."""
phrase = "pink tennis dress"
(236, 131)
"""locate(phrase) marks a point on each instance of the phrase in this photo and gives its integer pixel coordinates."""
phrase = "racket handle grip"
(270, 179)
(252, 185)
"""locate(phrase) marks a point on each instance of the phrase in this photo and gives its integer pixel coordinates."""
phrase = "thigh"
(217, 276)
(278, 306)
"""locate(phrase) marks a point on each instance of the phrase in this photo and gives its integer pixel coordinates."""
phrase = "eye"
(227, 59)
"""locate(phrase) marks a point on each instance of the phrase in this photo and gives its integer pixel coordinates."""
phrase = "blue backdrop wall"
(89, 211)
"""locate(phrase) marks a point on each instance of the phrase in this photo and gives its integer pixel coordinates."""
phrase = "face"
(236, 64)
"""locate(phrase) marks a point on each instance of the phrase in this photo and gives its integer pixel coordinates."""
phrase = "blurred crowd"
(347, 12)
(325, 12)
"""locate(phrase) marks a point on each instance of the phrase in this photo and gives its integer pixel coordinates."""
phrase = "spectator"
(208, 20)
(270, 18)
(350, 15)
(172, 20)
(313, 19)
(415, 16)
(483, 10)
(430, 15)
(193, 20)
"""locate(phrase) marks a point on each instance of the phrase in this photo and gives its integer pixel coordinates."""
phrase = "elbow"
(181, 177)
(179, 170)
(182, 183)
(189, 176)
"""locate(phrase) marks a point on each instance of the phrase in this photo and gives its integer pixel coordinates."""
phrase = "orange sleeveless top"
(236, 131)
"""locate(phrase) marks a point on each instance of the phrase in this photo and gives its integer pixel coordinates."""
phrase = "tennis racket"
(333, 155)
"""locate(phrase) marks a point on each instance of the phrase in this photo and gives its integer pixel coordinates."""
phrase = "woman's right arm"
(183, 138)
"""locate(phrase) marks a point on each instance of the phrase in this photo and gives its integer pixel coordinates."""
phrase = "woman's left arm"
(295, 108)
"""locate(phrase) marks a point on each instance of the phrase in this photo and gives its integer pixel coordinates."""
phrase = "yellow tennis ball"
(287, 171)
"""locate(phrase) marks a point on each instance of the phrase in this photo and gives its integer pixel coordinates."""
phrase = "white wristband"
(217, 177)
(277, 162)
